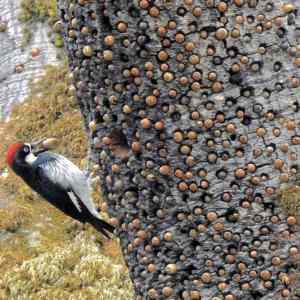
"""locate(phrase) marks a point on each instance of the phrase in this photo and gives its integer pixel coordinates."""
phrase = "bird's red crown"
(11, 152)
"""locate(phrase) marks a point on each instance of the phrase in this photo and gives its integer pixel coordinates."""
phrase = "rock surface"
(14, 85)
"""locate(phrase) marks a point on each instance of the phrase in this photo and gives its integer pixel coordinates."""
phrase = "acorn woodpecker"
(57, 180)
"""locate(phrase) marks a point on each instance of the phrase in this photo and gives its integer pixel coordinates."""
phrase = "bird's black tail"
(101, 226)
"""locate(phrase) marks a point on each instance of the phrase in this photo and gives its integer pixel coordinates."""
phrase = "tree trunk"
(192, 109)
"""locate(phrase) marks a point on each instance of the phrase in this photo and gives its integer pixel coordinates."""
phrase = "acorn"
(3, 26)
(221, 33)
(230, 297)
(151, 268)
(278, 163)
(287, 8)
(265, 275)
(206, 277)
(19, 68)
(155, 241)
(57, 27)
(109, 40)
(113, 221)
(211, 216)
(136, 147)
(291, 220)
(195, 295)
(276, 261)
(144, 4)
(260, 131)
(240, 173)
(152, 293)
(201, 228)
(178, 136)
(168, 236)
(92, 126)
(146, 123)
(87, 51)
(285, 292)
(167, 291)
(35, 52)
(171, 268)
(50, 143)
(122, 27)
(107, 55)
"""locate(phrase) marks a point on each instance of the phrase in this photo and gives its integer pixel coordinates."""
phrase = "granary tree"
(192, 109)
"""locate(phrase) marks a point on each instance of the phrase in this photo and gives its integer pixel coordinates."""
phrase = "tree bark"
(192, 110)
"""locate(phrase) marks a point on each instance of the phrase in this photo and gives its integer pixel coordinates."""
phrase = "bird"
(57, 180)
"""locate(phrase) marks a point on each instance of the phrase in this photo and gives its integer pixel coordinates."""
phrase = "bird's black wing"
(64, 185)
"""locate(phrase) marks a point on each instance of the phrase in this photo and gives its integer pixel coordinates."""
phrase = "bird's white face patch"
(30, 158)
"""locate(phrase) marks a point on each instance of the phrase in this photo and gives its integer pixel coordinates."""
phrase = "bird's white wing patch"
(74, 200)
(66, 174)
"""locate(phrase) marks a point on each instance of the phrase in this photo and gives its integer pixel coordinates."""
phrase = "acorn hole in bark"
(119, 145)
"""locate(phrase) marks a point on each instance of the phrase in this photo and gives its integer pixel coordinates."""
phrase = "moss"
(290, 200)
(43, 253)
(11, 220)
(33, 11)
(26, 35)
(58, 41)
(77, 270)
(38, 10)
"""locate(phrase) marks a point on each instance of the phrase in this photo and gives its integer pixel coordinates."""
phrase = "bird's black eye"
(26, 149)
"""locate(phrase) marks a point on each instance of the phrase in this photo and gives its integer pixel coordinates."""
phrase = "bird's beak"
(37, 147)
(35, 144)
(43, 145)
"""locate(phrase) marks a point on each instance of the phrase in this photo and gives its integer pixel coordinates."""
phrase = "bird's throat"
(30, 158)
